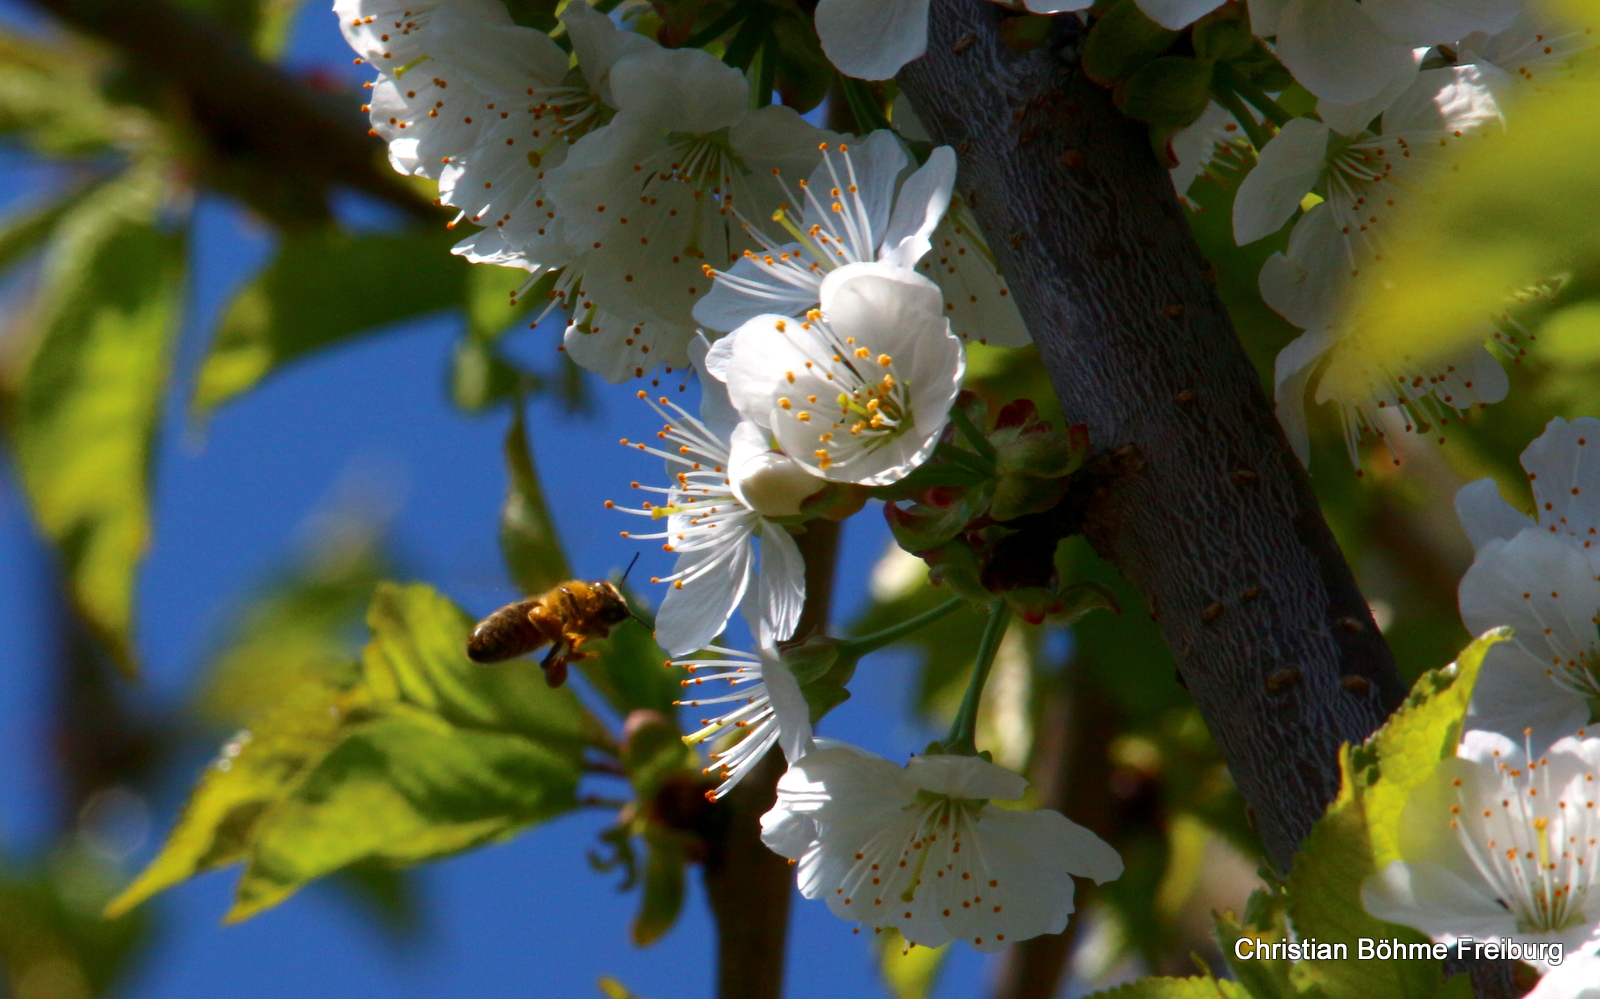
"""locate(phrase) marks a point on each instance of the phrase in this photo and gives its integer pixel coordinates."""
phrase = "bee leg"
(548, 625)
(574, 640)
(554, 665)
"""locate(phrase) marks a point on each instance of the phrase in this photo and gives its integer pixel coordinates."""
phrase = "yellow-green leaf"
(402, 787)
(321, 289)
(1357, 837)
(418, 654)
(89, 400)
(1517, 209)
(255, 770)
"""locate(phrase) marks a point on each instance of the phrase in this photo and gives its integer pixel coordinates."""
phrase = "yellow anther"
(783, 403)
(885, 360)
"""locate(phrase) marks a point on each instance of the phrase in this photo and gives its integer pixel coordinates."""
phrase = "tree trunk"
(1205, 509)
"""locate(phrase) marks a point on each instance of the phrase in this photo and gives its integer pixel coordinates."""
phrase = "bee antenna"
(629, 568)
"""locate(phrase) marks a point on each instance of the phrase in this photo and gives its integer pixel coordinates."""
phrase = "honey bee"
(563, 618)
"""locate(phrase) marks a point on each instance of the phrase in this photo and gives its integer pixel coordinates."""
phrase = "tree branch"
(270, 139)
(1207, 511)
(747, 883)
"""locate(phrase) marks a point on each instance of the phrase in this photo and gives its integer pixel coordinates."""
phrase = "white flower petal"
(1291, 378)
(1578, 977)
(1485, 515)
(965, 777)
(922, 202)
(1563, 467)
(872, 39)
(1264, 16)
(977, 300)
(502, 59)
(599, 45)
(1289, 167)
(891, 849)
(1435, 901)
(782, 583)
(680, 90)
(1336, 50)
(1353, 119)
(1427, 22)
(695, 613)
(758, 292)
(1174, 14)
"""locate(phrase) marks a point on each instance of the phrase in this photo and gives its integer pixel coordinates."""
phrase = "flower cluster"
(826, 291)
(1402, 90)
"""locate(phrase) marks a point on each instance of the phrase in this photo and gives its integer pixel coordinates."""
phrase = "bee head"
(613, 607)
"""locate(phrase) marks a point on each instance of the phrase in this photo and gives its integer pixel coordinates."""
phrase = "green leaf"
(87, 407)
(613, 989)
(52, 936)
(301, 628)
(631, 671)
(1169, 92)
(1122, 40)
(403, 787)
(1263, 978)
(664, 883)
(50, 94)
(418, 655)
(274, 18)
(528, 538)
(322, 288)
(910, 972)
(256, 769)
(27, 230)
(1177, 988)
(480, 376)
(1407, 750)
(1358, 836)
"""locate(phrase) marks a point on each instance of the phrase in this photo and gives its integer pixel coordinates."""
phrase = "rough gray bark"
(1205, 509)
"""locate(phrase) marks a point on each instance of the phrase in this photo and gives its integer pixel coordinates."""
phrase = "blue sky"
(525, 918)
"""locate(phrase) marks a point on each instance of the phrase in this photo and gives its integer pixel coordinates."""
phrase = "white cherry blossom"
(859, 390)
(1362, 177)
(849, 212)
(601, 341)
(1501, 844)
(977, 299)
(713, 527)
(923, 849)
(656, 193)
(1348, 52)
(1535, 51)
(765, 705)
(1538, 575)
(1578, 977)
(1563, 467)
(1195, 147)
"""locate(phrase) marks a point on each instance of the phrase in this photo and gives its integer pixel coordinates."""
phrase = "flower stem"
(1247, 121)
(963, 730)
(878, 639)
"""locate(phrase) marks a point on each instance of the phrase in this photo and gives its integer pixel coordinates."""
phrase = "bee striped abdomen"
(505, 634)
